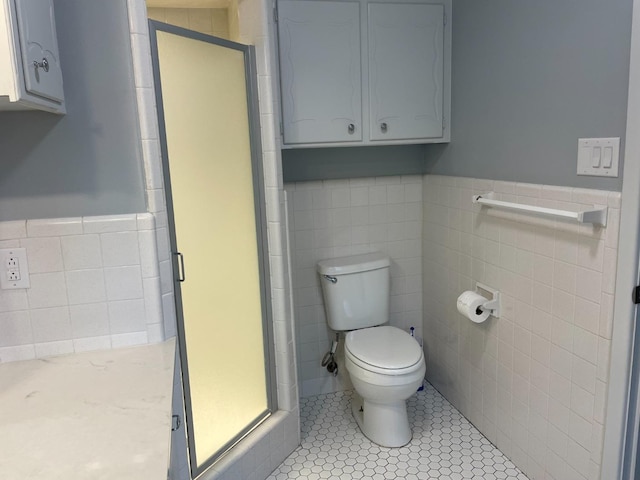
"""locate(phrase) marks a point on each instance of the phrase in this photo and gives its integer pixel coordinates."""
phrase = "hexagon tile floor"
(444, 446)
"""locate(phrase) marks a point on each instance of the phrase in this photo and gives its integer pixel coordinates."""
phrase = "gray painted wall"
(529, 79)
(351, 162)
(87, 162)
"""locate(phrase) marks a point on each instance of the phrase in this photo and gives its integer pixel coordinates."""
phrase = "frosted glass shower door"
(216, 210)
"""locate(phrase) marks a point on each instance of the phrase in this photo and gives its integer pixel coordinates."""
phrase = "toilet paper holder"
(492, 305)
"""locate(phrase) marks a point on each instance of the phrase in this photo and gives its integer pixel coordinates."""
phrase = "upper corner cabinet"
(364, 73)
(30, 73)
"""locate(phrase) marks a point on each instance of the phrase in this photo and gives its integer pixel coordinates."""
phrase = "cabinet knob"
(383, 127)
(44, 64)
(351, 128)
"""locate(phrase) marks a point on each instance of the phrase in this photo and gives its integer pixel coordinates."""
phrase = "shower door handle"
(175, 422)
(181, 276)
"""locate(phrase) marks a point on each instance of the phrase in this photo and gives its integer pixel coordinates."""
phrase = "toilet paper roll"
(469, 305)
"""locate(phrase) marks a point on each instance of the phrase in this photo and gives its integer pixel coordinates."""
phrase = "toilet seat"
(384, 350)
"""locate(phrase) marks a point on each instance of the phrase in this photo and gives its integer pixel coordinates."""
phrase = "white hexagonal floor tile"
(444, 445)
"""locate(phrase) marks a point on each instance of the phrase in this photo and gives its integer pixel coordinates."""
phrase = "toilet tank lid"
(353, 264)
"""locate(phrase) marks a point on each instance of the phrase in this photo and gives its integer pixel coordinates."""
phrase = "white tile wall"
(533, 381)
(154, 181)
(335, 218)
(86, 286)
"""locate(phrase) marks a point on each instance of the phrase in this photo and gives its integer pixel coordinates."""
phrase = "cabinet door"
(320, 71)
(37, 29)
(406, 68)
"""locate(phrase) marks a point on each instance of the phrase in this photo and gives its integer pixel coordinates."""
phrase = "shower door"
(207, 106)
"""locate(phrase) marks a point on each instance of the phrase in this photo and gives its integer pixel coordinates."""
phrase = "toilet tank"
(355, 290)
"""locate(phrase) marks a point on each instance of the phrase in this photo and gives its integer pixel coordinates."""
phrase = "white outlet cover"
(21, 255)
(591, 156)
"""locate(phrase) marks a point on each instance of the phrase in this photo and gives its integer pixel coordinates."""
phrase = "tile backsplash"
(94, 285)
(533, 381)
(334, 218)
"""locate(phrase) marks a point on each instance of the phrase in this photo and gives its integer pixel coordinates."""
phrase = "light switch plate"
(598, 156)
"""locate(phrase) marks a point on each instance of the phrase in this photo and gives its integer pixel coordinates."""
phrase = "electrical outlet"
(14, 271)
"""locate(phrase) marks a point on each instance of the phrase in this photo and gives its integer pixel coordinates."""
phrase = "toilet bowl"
(385, 363)
(386, 366)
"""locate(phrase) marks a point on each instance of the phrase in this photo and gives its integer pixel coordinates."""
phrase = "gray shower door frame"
(261, 233)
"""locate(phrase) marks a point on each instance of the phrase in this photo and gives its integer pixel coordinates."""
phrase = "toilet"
(386, 365)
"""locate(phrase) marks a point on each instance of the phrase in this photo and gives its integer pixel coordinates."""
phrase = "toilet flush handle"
(330, 278)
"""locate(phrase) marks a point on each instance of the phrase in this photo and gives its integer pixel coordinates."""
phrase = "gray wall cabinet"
(320, 71)
(30, 73)
(364, 73)
(406, 71)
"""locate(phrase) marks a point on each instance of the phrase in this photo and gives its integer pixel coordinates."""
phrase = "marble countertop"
(95, 415)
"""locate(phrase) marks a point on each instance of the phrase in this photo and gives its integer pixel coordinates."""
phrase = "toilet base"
(385, 424)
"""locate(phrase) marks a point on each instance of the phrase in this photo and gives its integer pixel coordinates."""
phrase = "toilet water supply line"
(328, 360)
